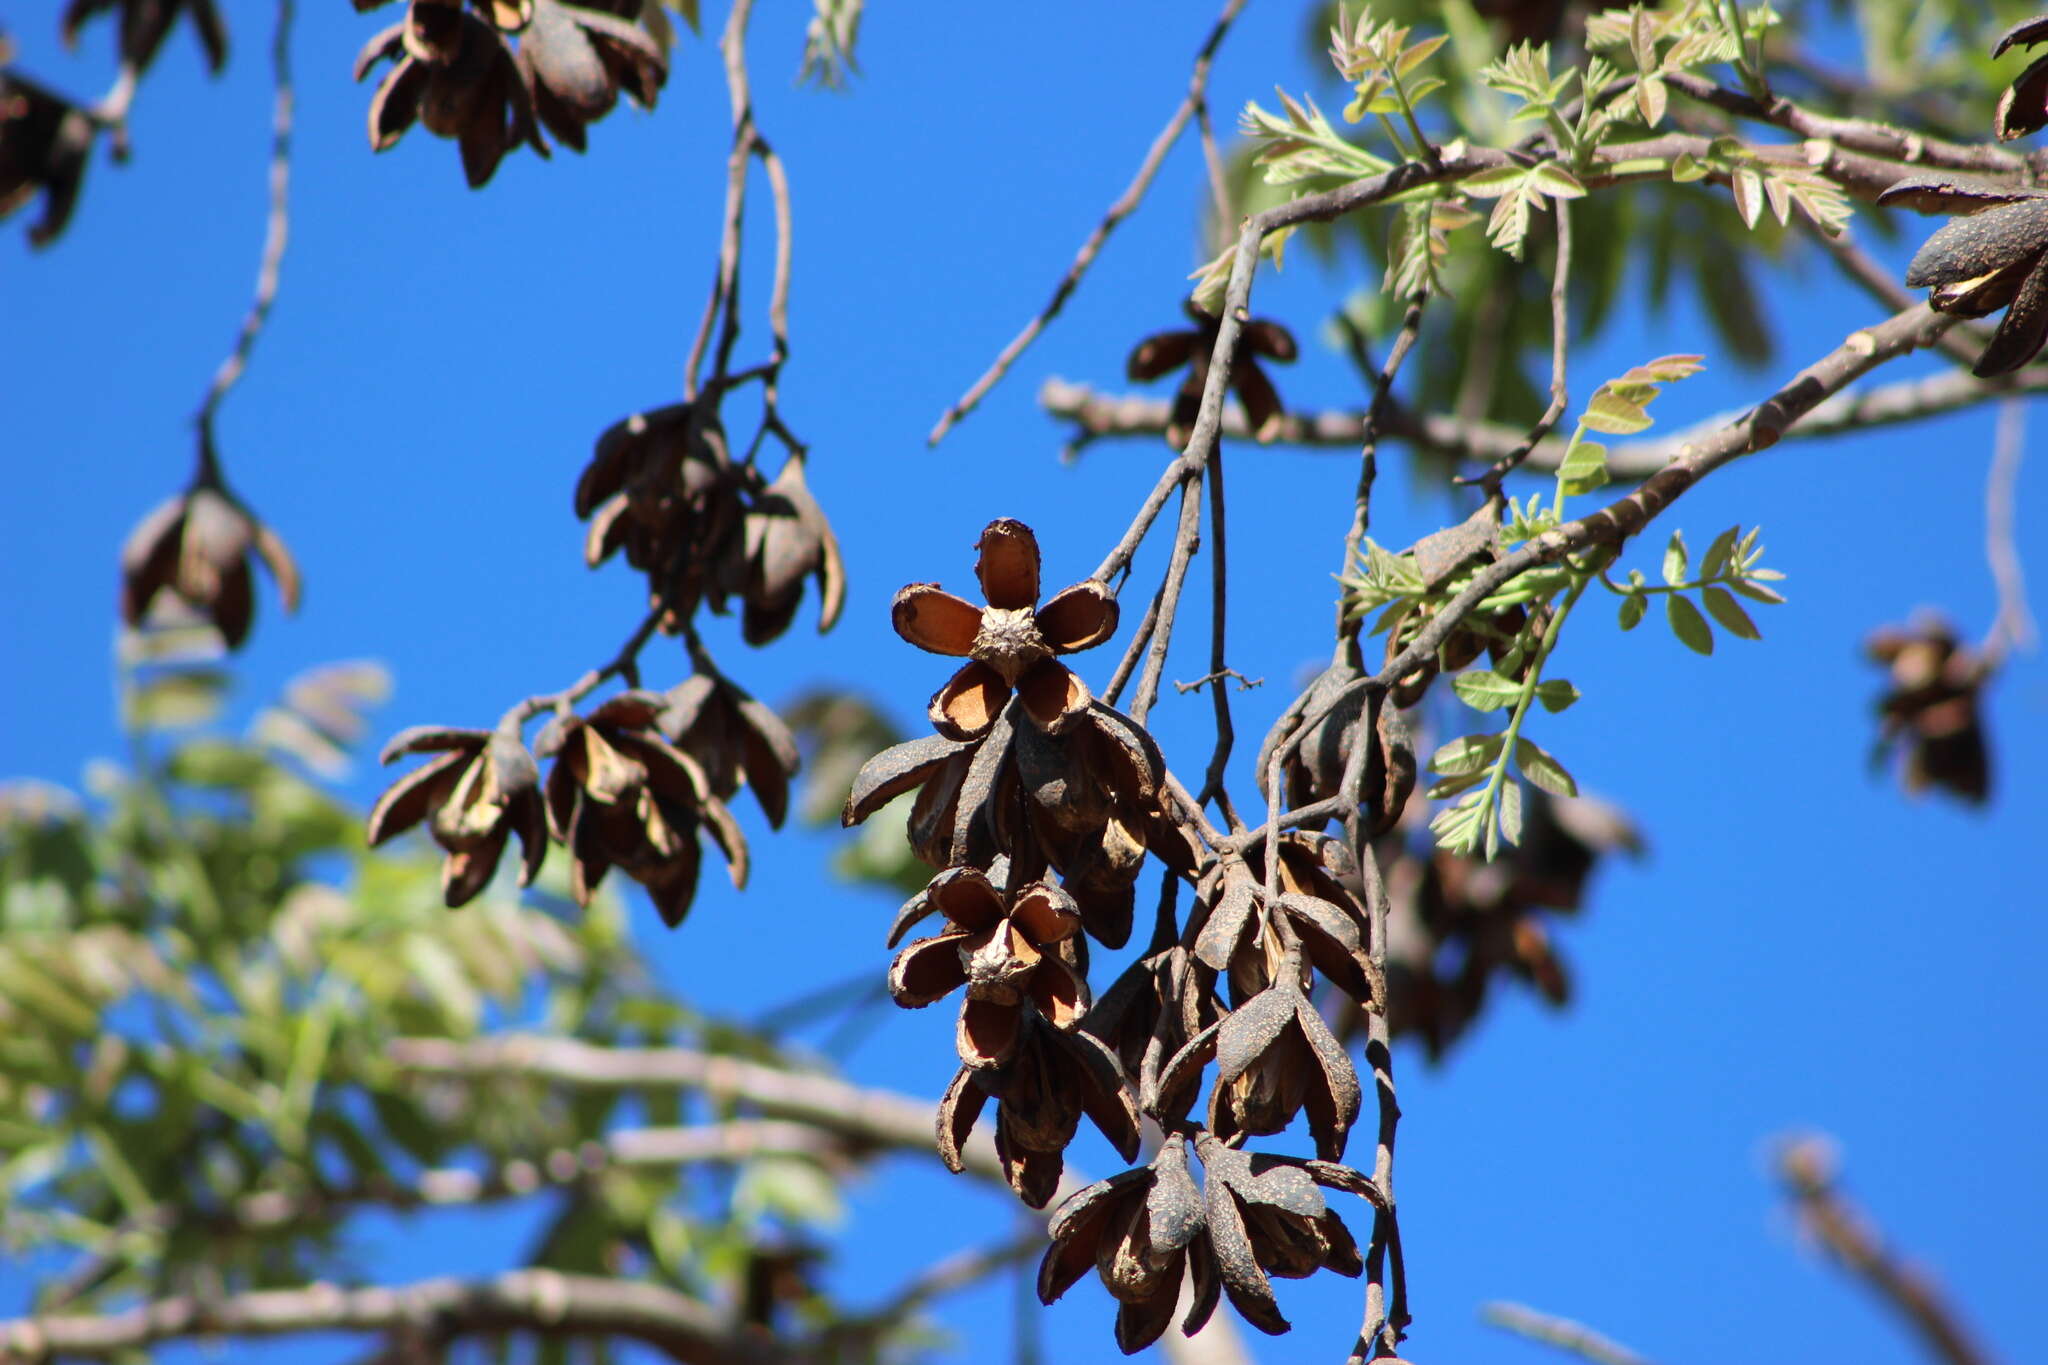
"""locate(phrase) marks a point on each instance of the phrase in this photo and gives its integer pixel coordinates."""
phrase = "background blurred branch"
(1808, 1168)
(1566, 1335)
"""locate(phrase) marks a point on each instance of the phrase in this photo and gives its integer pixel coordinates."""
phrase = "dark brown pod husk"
(45, 143)
(481, 787)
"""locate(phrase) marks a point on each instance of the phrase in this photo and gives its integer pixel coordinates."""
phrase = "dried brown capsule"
(1005, 949)
(1265, 1216)
(196, 548)
(455, 74)
(1993, 256)
(1055, 1076)
(784, 539)
(2023, 108)
(1012, 642)
(735, 739)
(1164, 352)
(1934, 708)
(620, 794)
(479, 788)
(577, 59)
(144, 24)
(1275, 1058)
(1141, 1231)
(45, 141)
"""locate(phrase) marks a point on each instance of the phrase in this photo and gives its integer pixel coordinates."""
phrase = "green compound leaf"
(1632, 608)
(1688, 625)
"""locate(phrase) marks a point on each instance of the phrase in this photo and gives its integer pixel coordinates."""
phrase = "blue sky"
(1805, 947)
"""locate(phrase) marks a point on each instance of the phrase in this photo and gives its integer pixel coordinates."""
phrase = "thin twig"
(1133, 652)
(624, 664)
(1376, 413)
(1560, 329)
(2013, 627)
(725, 284)
(1226, 734)
(277, 227)
(1185, 540)
(1125, 205)
(1807, 1166)
(1573, 1337)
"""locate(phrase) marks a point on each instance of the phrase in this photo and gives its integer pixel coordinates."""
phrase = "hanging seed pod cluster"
(1038, 807)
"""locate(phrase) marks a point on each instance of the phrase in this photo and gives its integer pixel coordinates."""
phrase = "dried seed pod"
(577, 59)
(145, 23)
(1004, 949)
(480, 787)
(1933, 708)
(455, 74)
(196, 549)
(2023, 108)
(620, 794)
(1193, 347)
(1265, 1216)
(1141, 1231)
(45, 142)
(1054, 1077)
(1011, 643)
(1994, 258)
(736, 739)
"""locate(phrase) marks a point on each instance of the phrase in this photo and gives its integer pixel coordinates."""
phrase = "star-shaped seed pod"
(620, 794)
(479, 788)
(143, 25)
(454, 73)
(1264, 1216)
(783, 540)
(1012, 642)
(1056, 1076)
(1164, 352)
(195, 548)
(45, 142)
(1005, 949)
(1275, 1057)
(1993, 255)
(1934, 708)
(735, 739)
(1141, 1231)
(2023, 108)
(576, 59)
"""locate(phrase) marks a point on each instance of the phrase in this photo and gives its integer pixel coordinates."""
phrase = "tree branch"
(866, 1118)
(1808, 1169)
(1573, 1337)
(543, 1302)
(1909, 400)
